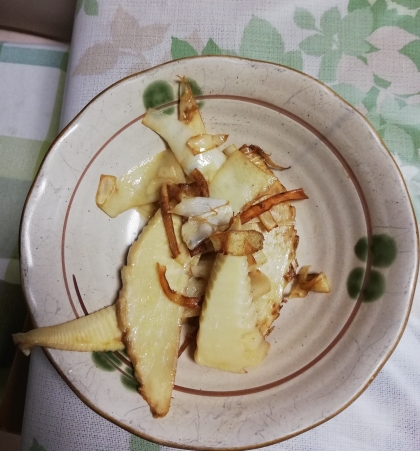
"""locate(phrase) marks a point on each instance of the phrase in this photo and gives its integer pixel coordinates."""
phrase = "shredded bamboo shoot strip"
(172, 295)
(265, 205)
(201, 182)
(167, 221)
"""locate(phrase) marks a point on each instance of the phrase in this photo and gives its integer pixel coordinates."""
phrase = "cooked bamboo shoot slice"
(279, 248)
(189, 112)
(228, 338)
(139, 186)
(237, 242)
(150, 322)
(280, 251)
(240, 181)
(203, 143)
(205, 217)
(177, 134)
(260, 283)
(305, 282)
(95, 332)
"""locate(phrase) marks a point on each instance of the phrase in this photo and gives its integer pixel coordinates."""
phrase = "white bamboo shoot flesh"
(240, 181)
(228, 338)
(150, 322)
(95, 332)
(139, 186)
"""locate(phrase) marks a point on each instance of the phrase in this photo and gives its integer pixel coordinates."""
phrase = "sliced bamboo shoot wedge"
(240, 181)
(279, 249)
(150, 322)
(177, 134)
(95, 332)
(139, 186)
(228, 338)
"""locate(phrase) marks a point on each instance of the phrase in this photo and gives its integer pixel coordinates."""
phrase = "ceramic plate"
(357, 226)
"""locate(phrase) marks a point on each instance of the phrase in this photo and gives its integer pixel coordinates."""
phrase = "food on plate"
(177, 134)
(98, 331)
(233, 181)
(205, 217)
(202, 143)
(237, 242)
(220, 246)
(149, 321)
(139, 186)
(228, 337)
(305, 282)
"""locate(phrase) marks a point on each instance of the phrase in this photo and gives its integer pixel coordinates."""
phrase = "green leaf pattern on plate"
(384, 252)
(111, 362)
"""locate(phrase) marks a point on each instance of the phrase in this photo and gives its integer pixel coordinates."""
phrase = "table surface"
(368, 52)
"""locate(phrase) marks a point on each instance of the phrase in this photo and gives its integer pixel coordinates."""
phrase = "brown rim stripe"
(283, 380)
(79, 296)
(352, 176)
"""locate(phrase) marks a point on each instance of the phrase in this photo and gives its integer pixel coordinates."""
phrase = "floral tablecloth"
(366, 50)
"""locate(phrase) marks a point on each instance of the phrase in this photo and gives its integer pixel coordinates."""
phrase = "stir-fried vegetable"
(222, 246)
(139, 186)
(96, 332)
(305, 282)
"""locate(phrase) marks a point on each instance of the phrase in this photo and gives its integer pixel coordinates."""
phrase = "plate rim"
(145, 436)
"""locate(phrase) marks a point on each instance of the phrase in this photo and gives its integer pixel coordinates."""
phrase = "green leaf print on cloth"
(182, 49)
(398, 123)
(305, 20)
(384, 16)
(90, 7)
(335, 37)
(36, 446)
(412, 50)
(410, 4)
(260, 40)
(138, 444)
